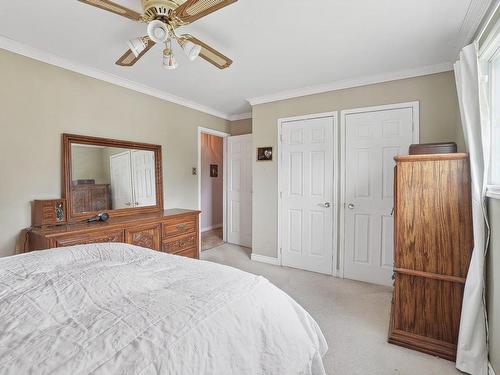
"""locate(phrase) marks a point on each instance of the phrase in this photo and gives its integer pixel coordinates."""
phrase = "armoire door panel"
(430, 183)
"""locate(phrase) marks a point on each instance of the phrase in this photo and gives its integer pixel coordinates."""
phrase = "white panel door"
(307, 194)
(121, 180)
(372, 141)
(143, 177)
(239, 190)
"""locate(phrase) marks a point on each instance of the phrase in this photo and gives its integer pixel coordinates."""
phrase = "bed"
(123, 309)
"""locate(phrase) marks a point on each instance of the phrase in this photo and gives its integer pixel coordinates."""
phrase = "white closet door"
(372, 141)
(307, 203)
(143, 177)
(239, 190)
(121, 180)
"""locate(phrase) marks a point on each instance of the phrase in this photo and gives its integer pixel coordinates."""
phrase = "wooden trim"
(115, 8)
(423, 344)
(186, 13)
(428, 275)
(68, 139)
(431, 157)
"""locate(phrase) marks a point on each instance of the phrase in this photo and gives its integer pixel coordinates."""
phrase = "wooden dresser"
(171, 231)
(433, 247)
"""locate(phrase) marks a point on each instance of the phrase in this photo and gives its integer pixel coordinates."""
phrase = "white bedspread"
(122, 309)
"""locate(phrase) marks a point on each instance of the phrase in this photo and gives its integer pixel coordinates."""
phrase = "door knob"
(128, 204)
(327, 204)
(350, 206)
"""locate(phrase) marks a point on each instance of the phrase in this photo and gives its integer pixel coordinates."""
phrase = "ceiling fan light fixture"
(158, 31)
(137, 46)
(169, 61)
(191, 50)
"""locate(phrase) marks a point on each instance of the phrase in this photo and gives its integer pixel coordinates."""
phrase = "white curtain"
(472, 355)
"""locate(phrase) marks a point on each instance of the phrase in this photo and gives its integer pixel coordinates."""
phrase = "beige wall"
(241, 127)
(39, 102)
(493, 284)
(439, 121)
(89, 163)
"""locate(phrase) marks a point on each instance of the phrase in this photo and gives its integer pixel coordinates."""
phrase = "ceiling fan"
(163, 18)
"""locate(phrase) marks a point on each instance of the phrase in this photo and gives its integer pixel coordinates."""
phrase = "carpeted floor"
(354, 317)
(211, 239)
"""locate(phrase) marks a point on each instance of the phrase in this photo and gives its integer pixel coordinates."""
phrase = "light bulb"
(169, 62)
(191, 50)
(158, 31)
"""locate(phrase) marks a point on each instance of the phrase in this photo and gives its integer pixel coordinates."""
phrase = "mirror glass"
(108, 178)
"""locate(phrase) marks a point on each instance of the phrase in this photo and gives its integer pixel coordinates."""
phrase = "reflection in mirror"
(109, 178)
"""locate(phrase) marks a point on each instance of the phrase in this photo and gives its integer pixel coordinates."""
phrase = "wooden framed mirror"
(120, 178)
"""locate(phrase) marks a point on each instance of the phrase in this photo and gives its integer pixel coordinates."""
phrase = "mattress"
(122, 309)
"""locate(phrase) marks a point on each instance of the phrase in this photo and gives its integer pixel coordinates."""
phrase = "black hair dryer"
(99, 217)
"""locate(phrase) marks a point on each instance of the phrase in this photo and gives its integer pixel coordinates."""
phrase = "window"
(490, 66)
(495, 119)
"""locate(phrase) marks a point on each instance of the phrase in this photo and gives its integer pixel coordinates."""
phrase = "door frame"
(224, 136)
(415, 106)
(279, 153)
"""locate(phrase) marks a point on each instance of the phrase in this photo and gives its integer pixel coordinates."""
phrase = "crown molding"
(243, 116)
(351, 83)
(49, 58)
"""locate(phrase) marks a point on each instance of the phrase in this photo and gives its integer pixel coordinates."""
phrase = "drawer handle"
(181, 227)
(182, 243)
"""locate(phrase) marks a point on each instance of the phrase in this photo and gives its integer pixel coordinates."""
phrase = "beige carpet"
(211, 239)
(354, 317)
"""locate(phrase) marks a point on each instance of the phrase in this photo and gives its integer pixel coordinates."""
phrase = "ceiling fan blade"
(193, 10)
(114, 8)
(209, 54)
(129, 59)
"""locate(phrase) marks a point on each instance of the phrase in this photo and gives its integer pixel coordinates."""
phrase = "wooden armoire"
(433, 247)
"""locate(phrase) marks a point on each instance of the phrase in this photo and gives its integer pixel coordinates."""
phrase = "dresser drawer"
(181, 243)
(179, 226)
(147, 236)
(89, 238)
(189, 253)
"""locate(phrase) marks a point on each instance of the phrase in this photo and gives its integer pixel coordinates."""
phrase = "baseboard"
(216, 226)
(264, 259)
(491, 371)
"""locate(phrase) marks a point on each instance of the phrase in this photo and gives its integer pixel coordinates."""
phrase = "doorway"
(371, 138)
(212, 184)
(235, 172)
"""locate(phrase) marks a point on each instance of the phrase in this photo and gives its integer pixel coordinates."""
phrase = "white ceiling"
(277, 45)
